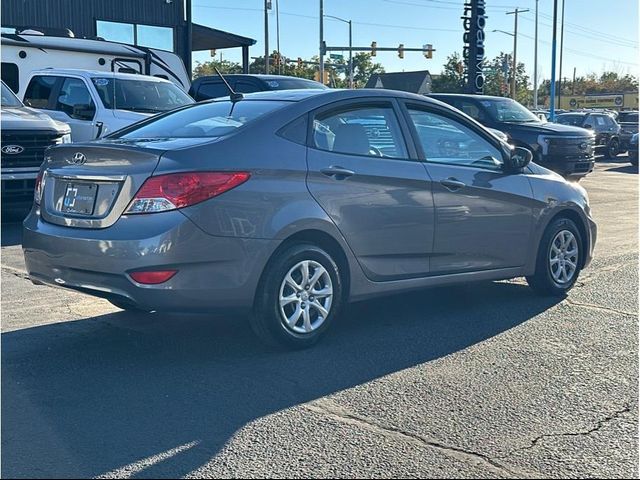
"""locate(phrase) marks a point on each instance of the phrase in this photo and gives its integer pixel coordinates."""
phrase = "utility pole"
(515, 50)
(278, 37)
(535, 64)
(350, 48)
(321, 58)
(573, 86)
(561, 47)
(552, 96)
(188, 14)
(267, 4)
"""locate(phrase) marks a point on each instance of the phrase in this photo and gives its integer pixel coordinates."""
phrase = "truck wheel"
(613, 149)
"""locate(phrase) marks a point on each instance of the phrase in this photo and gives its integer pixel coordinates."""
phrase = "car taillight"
(37, 192)
(154, 277)
(178, 190)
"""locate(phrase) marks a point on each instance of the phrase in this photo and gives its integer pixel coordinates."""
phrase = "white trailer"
(23, 53)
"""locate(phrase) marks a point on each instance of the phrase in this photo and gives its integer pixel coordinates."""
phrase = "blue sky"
(599, 34)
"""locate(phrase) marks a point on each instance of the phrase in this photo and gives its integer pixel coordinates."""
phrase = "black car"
(633, 150)
(628, 122)
(603, 124)
(205, 88)
(563, 149)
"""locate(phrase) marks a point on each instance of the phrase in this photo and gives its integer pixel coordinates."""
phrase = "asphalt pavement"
(479, 380)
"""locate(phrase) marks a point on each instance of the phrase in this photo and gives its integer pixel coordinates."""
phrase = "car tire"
(613, 149)
(633, 160)
(286, 312)
(554, 256)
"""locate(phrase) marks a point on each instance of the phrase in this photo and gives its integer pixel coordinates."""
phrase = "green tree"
(451, 80)
(496, 79)
(363, 68)
(207, 68)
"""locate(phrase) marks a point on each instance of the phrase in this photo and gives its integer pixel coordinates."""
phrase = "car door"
(484, 216)
(369, 181)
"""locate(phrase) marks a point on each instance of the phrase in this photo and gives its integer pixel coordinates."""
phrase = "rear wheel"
(559, 259)
(299, 297)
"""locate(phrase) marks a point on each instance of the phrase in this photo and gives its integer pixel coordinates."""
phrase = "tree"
(451, 80)
(207, 68)
(363, 68)
(498, 79)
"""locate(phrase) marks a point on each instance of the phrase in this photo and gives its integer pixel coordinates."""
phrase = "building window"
(135, 34)
(11, 76)
(116, 32)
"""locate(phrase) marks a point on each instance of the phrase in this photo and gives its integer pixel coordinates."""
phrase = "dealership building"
(163, 24)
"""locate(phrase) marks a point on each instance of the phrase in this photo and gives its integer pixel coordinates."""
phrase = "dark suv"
(563, 149)
(603, 124)
(205, 88)
(628, 122)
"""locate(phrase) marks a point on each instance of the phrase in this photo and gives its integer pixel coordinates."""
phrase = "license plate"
(79, 198)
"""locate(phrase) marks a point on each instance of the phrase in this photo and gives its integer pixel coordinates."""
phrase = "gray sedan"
(286, 205)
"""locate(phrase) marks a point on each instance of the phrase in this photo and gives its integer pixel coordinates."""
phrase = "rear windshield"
(140, 95)
(574, 120)
(293, 84)
(628, 117)
(202, 120)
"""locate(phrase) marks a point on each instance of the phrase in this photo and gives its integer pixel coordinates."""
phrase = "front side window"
(39, 91)
(8, 97)
(573, 120)
(75, 100)
(369, 131)
(212, 90)
(600, 121)
(447, 141)
(471, 109)
(139, 95)
(212, 120)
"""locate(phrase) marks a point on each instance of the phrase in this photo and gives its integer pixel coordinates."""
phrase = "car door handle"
(338, 172)
(452, 184)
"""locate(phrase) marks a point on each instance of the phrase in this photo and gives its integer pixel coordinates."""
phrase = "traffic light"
(374, 46)
(401, 50)
(428, 50)
(299, 62)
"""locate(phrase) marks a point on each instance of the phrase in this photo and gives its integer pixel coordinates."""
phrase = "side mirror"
(519, 158)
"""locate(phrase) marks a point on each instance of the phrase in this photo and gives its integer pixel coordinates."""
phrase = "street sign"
(336, 56)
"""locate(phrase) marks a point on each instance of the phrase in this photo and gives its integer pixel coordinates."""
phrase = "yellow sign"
(613, 101)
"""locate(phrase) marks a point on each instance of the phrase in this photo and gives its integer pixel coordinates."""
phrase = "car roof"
(468, 95)
(97, 73)
(330, 94)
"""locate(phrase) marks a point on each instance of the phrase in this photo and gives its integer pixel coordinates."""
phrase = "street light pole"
(535, 64)
(552, 96)
(321, 58)
(515, 50)
(278, 38)
(561, 48)
(266, 37)
(350, 47)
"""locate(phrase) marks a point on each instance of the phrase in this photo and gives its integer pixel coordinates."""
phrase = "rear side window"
(39, 91)
(202, 120)
(574, 120)
(245, 87)
(296, 131)
(75, 100)
(212, 90)
(11, 76)
(368, 131)
(600, 120)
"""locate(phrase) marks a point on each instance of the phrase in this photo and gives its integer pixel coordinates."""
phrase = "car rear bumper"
(214, 273)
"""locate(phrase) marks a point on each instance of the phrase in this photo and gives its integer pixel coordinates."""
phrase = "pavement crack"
(15, 272)
(328, 408)
(598, 426)
(593, 306)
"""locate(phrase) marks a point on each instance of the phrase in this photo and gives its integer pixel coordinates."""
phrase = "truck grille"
(572, 147)
(33, 144)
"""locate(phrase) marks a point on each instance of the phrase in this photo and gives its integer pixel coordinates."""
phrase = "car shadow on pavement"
(10, 233)
(88, 397)
(618, 164)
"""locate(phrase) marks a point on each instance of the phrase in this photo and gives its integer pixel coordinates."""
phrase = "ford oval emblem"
(12, 149)
(78, 158)
(584, 146)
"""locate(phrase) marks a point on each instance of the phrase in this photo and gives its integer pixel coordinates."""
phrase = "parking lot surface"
(482, 380)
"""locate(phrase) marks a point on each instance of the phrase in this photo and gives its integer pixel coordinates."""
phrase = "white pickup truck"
(95, 103)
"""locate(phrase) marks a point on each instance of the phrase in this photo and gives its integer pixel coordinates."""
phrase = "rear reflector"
(152, 278)
(178, 190)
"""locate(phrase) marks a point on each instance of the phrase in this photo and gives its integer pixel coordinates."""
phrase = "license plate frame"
(79, 198)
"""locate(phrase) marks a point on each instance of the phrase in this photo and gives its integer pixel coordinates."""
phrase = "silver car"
(286, 205)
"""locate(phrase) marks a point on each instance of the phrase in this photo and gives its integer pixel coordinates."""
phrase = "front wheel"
(299, 297)
(559, 259)
(613, 149)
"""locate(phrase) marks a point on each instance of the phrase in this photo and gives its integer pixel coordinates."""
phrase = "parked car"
(628, 121)
(606, 129)
(565, 150)
(289, 204)
(633, 150)
(96, 103)
(26, 133)
(205, 88)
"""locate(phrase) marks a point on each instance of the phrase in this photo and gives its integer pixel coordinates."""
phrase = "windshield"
(507, 110)
(293, 84)
(628, 117)
(573, 120)
(8, 98)
(140, 95)
(202, 120)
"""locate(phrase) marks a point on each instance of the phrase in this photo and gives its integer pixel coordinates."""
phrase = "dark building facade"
(159, 24)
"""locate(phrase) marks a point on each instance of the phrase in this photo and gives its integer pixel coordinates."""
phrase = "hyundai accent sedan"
(286, 205)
